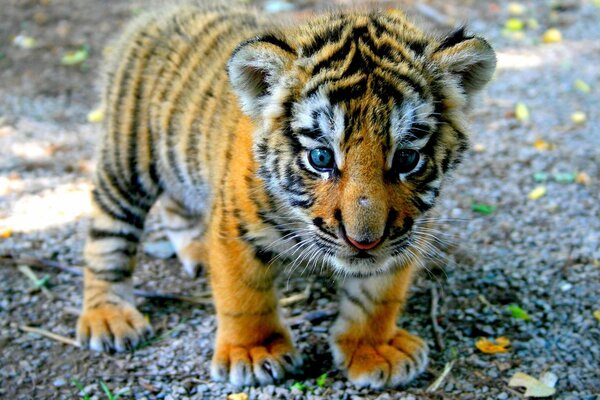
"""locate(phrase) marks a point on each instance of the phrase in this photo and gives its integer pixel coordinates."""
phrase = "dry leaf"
(597, 315)
(578, 117)
(537, 193)
(514, 24)
(489, 347)
(583, 178)
(542, 145)
(95, 116)
(24, 42)
(6, 233)
(478, 148)
(521, 112)
(237, 396)
(516, 9)
(582, 86)
(533, 387)
(552, 35)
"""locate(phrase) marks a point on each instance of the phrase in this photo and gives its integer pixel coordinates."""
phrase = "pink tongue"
(363, 246)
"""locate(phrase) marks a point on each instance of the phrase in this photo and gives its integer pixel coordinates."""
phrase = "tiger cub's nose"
(363, 245)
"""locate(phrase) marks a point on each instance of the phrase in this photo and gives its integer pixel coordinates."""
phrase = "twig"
(49, 334)
(39, 263)
(439, 341)
(304, 295)
(25, 270)
(440, 379)
(171, 296)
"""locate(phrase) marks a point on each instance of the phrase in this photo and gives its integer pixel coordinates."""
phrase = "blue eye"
(406, 160)
(321, 159)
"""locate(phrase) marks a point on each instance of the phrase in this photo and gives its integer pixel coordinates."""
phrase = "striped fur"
(212, 114)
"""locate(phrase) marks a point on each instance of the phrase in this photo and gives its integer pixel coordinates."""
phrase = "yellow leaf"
(533, 387)
(478, 148)
(542, 145)
(95, 116)
(516, 9)
(578, 117)
(522, 112)
(533, 24)
(238, 396)
(514, 24)
(24, 42)
(597, 315)
(489, 347)
(552, 35)
(6, 233)
(583, 178)
(537, 193)
(582, 86)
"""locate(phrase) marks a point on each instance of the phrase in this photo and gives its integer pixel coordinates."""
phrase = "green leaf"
(565, 177)
(481, 208)
(540, 177)
(75, 57)
(106, 390)
(43, 282)
(518, 313)
(299, 385)
(321, 380)
(80, 387)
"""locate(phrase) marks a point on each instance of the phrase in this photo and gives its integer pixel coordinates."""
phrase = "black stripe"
(355, 300)
(111, 275)
(331, 35)
(268, 38)
(341, 92)
(127, 214)
(127, 252)
(454, 38)
(176, 114)
(97, 234)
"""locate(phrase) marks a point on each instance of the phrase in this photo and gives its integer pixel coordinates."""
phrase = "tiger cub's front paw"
(262, 363)
(112, 327)
(390, 364)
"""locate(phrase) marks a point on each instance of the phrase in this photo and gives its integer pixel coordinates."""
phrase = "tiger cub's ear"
(469, 58)
(255, 68)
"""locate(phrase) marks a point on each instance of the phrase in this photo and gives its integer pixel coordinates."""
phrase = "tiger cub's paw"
(263, 363)
(112, 327)
(390, 364)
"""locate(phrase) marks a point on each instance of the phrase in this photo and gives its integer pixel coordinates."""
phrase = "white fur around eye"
(306, 161)
(316, 112)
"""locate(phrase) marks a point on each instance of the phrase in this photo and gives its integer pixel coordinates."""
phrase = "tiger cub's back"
(170, 112)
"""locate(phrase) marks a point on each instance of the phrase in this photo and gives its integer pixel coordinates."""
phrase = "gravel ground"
(542, 255)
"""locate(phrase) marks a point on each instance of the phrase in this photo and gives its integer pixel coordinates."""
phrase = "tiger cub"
(267, 145)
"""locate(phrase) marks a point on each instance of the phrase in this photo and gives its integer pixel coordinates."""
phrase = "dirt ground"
(542, 255)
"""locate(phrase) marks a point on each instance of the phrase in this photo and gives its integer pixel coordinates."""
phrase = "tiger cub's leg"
(365, 339)
(185, 230)
(252, 344)
(109, 319)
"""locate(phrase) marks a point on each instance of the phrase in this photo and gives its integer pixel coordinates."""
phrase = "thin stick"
(39, 263)
(25, 270)
(172, 296)
(439, 341)
(440, 379)
(295, 298)
(49, 334)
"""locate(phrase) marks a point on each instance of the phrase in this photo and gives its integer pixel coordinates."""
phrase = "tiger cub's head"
(359, 118)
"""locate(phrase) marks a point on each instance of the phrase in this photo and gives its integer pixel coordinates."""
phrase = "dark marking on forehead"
(331, 35)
